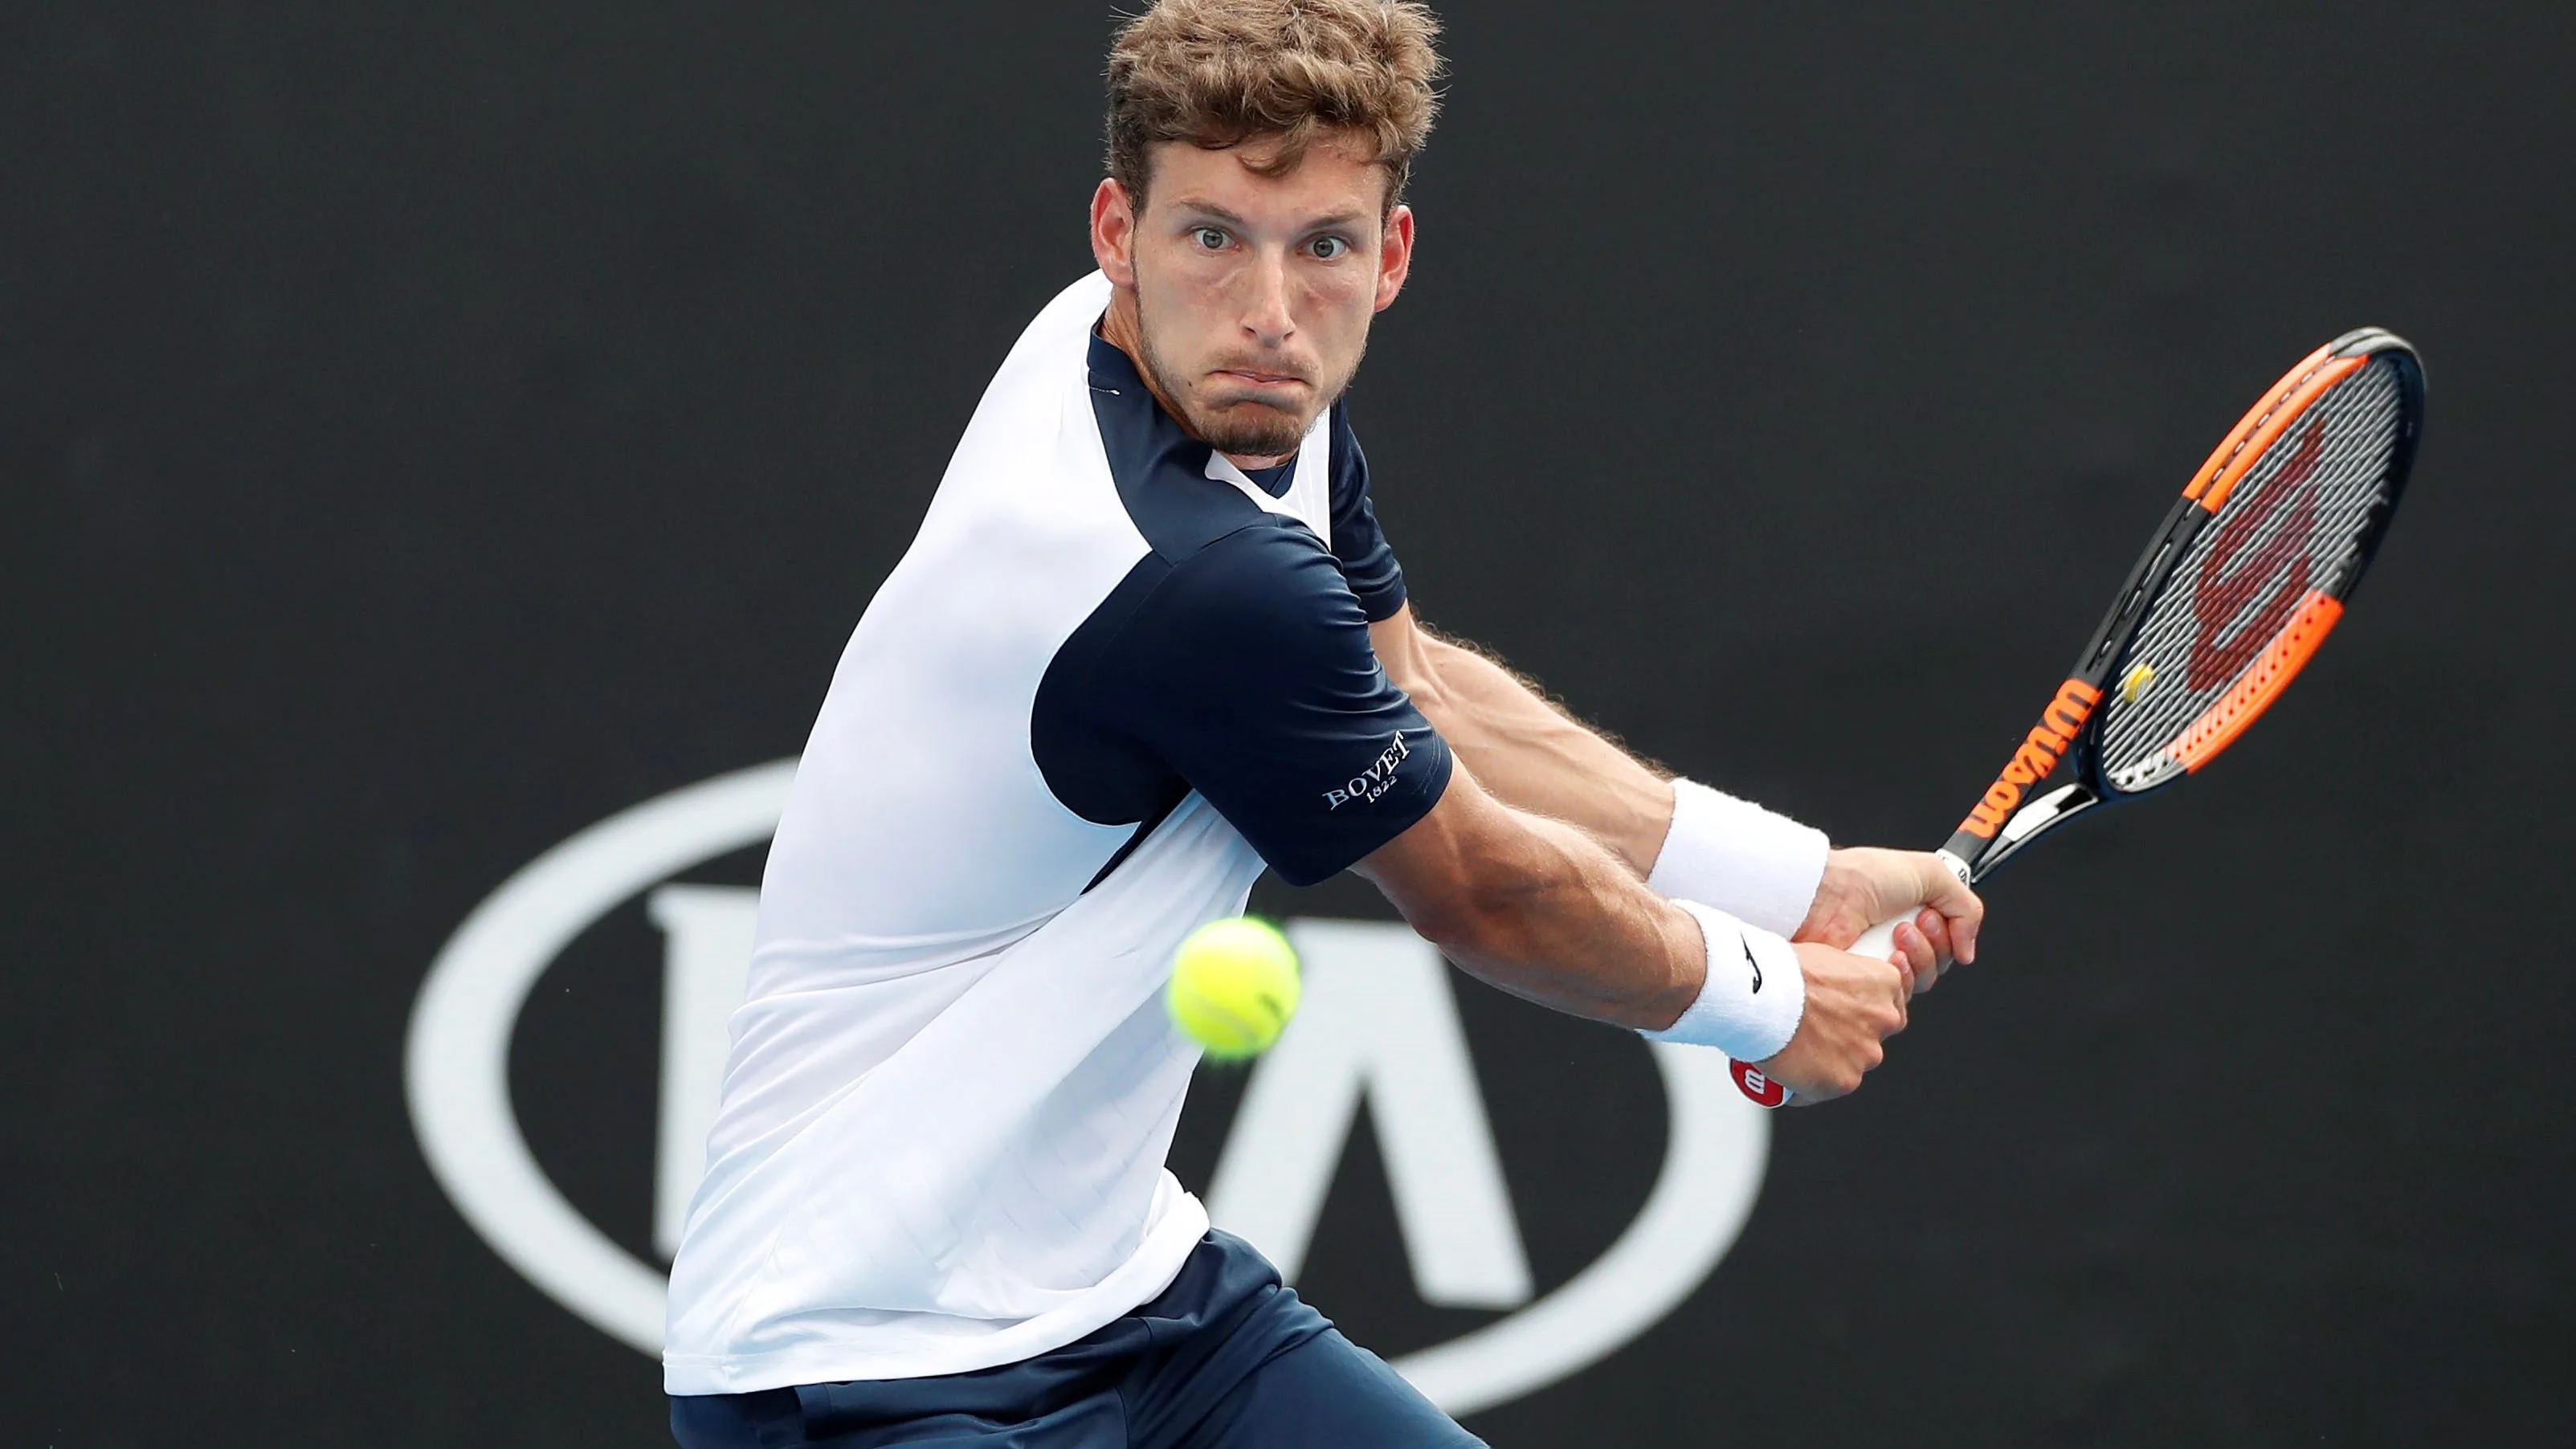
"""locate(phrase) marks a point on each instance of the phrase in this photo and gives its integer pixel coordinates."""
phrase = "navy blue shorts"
(1226, 1358)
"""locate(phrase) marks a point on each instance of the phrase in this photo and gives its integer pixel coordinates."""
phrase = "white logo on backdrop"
(1378, 1023)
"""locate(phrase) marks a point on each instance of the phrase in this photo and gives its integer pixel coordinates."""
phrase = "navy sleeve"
(1248, 671)
(1358, 544)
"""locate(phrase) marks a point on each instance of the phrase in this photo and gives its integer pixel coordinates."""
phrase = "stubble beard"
(1248, 428)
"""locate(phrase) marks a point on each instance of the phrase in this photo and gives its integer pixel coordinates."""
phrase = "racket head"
(2275, 532)
(2247, 575)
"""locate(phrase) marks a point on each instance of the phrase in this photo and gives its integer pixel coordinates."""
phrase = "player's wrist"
(1758, 866)
(1753, 995)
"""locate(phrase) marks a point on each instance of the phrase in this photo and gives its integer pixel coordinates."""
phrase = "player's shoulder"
(1264, 580)
(1239, 618)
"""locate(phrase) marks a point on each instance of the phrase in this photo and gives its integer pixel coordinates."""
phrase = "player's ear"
(1113, 232)
(1394, 255)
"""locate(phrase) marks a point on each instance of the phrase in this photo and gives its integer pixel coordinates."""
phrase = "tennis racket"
(2248, 575)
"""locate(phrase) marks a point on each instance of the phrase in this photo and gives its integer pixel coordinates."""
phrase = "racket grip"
(1877, 943)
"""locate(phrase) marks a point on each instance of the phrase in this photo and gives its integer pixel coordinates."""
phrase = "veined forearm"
(1687, 841)
(1535, 757)
(1564, 923)
(1544, 911)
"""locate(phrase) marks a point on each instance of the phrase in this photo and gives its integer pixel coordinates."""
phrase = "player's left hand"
(1864, 885)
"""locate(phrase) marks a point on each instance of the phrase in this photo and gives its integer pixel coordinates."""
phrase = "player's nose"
(1266, 317)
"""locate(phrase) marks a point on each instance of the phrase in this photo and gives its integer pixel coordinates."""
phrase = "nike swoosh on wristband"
(1749, 961)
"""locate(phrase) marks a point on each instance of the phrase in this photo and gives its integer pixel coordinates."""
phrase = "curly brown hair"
(1217, 73)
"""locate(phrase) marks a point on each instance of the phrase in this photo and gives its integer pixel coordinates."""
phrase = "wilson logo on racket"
(2037, 757)
(2227, 583)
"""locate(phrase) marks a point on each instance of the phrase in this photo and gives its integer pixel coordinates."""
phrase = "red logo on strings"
(2228, 584)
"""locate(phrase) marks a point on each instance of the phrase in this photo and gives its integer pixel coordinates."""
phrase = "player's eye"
(1328, 247)
(1210, 238)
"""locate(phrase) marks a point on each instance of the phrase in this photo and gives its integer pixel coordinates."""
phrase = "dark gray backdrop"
(426, 429)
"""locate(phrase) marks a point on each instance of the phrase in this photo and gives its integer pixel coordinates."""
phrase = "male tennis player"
(1149, 641)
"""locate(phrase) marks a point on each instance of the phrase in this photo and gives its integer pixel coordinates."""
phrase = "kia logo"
(1378, 1025)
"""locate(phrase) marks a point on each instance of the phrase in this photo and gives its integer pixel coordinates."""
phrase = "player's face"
(1251, 295)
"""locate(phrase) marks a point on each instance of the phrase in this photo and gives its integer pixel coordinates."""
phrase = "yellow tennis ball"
(1234, 986)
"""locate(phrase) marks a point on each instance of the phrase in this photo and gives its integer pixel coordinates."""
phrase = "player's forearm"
(1535, 757)
(1687, 841)
(1555, 918)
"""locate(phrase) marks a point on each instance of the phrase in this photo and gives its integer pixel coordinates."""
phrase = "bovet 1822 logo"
(1379, 1025)
(1376, 780)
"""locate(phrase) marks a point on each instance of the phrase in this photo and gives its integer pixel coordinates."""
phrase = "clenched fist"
(1853, 1004)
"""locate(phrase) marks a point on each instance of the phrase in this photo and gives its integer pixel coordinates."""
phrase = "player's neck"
(1120, 329)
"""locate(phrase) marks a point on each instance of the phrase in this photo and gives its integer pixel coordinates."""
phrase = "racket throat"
(1971, 857)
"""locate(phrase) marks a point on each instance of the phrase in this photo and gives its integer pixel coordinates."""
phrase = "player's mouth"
(1246, 377)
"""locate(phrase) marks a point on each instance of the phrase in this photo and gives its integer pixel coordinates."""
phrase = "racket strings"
(2291, 528)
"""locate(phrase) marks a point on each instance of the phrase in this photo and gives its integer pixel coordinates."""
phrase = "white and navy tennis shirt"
(1113, 678)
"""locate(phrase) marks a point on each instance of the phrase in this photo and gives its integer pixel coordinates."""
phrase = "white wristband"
(1755, 994)
(1739, 857)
